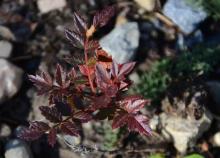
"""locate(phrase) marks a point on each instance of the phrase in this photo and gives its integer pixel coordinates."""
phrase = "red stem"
(87, 67)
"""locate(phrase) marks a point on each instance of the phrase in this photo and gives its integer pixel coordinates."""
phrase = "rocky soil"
(32, 39)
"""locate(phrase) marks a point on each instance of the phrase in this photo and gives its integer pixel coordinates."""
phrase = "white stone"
(6, 33)
(216, 139)
(17, 149)
(10, 79)
(184, 132)
(46, 6)
(5, 130)
(5, 49)
(154, 122)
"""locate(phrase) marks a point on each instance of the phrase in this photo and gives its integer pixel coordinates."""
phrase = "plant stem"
(87, 67)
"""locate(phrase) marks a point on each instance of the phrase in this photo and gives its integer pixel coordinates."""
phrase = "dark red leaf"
(47, 77)
(79, 23)
(114, 69)
(76, 39)
(111, 90)
(102, 77)
(83, 116)
(85, 70)
(126, 69)
(102, 17)
(72, 73)
(59, 75)
(103, 56)
(69, 128)
(51, 138)
(51, 113)
(138, 123)
(101, 102)
(119, 120)
(92, 45)
(43, 83)
(133, 104)
(35, 131)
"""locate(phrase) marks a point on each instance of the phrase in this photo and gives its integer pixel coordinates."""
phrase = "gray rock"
(46, 6)
(5, 49)
(154, 122)
(122, 42)
(67, 141)
(185, 16)
(17, 149)
(5, 130)
(135, 77)
(38, 101)
(184, 132)
(10, 79)
(6, 33)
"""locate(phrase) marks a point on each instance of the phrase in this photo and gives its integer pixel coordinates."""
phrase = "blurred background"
(176, 44)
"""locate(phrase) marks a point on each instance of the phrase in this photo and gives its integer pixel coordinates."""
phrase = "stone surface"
(148, 5)
(6, 33)
(46, 6)
(122, 42)
(135, 77)
(184, 131)
(154, 122)
(64, 153)
(5, 130)
(38, 101)
(216, 139)
(10, 80)
(183, 15)
(5, 49)
(17, 149)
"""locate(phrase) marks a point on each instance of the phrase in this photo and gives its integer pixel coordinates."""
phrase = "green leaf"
(194, 156)
(157, 155)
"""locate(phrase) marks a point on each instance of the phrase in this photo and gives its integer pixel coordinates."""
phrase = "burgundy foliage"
(93, 90)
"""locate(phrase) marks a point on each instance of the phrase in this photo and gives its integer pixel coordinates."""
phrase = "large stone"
(17, 149)
(46, 6)
(10, 80)
(122, 42)
(5, 49)
(185, 16)
(184, 132)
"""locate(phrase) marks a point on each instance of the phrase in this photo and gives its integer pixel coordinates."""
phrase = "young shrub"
(93, 90)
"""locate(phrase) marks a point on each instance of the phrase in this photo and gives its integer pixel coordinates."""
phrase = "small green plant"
(194, 156)
(154, 82)
(110, 138)
(157, 155)
(187, 66)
